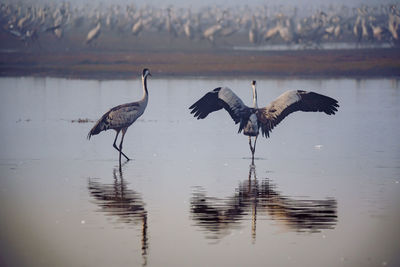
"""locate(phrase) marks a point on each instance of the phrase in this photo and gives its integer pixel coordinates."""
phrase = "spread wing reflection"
(119, 201)
(217, 217)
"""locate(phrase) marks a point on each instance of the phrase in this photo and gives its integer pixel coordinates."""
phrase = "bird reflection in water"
(217, 217)
(118, 200)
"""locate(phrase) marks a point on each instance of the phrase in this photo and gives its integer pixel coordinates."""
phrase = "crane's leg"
(251, 147)
(115, 140)
(252, 151)
(115, 145)
(120, 145)
(255, 141)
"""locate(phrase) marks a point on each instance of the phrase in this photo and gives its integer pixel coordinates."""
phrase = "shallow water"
(324, 192)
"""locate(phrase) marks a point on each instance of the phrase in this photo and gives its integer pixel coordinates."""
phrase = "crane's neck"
(145, 92)
(254, 96)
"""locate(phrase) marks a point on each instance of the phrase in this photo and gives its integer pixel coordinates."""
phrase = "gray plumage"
(252, 119)
(121, 117)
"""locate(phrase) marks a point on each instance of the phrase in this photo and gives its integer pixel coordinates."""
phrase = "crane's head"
(146, 72)
(253, 85)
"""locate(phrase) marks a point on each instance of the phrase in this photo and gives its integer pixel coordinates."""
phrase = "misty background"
(197, 4)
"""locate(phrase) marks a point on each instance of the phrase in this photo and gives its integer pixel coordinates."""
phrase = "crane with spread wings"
(252, 119)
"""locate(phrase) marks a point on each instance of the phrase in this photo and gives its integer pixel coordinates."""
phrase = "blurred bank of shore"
(363, 63)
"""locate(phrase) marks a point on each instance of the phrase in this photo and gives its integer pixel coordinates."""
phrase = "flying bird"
(119, 118)
(252, 119)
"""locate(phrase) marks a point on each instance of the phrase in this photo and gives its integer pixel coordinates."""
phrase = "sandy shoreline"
(364, 63)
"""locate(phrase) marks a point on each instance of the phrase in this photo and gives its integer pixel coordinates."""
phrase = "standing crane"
(93, 33)
(121, 117)
(252, 119)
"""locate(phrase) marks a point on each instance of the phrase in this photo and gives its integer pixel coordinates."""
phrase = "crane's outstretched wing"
(221, 97)
(292, 101)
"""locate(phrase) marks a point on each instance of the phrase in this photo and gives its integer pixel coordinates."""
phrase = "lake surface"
(325, 190)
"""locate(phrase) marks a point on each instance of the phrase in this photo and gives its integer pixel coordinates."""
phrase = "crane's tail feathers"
(92, 132)
(97, 128)
(89, 135)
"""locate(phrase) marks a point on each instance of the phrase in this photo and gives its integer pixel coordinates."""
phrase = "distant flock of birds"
(250, 119)
(259, 25)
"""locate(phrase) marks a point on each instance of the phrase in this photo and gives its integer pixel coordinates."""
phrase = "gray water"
(325, 190)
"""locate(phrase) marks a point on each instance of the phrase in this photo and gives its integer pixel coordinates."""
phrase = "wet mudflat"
(324, 191)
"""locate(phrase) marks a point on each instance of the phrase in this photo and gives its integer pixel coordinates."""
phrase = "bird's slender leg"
(115, 145)
(251, 147)
(115, 140)
(120, 145)
(252, 151)
(255, 141)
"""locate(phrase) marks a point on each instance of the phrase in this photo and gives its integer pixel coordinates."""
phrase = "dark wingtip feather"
(205, 105)
(333, 106)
